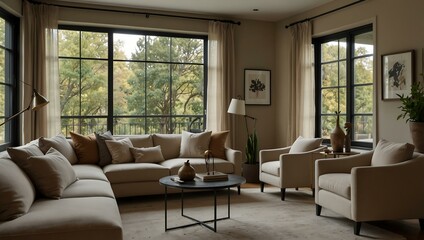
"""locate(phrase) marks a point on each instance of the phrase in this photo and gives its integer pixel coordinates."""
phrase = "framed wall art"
(257, 87)
(397, 74)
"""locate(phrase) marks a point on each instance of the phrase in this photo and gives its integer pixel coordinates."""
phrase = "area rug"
(254, 215)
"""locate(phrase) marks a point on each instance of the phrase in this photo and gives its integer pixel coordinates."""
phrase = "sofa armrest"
(343, 164)
(267, 155)
(296, 169)
(235, 157)
(393, 191)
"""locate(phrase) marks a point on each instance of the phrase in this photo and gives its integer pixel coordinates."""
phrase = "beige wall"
(12, 6)
(398, 27)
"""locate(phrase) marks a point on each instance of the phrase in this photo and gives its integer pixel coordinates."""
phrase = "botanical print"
(257, 87)
(397, 74)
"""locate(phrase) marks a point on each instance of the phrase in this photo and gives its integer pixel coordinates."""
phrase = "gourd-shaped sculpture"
(186, 172)
(337, 137)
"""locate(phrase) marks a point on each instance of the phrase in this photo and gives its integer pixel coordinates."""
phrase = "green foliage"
(413, 105)
(252, 148)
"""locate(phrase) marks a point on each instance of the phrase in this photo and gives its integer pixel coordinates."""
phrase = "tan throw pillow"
(104, 155)
(194, 144)
(169, 143)
(120, 150)
(217, 144)
(16, 191)
(61, 144)
(85, 148)
(20, 155)
(147, 155)
(386, 153)
(305, 144)
(51, 173)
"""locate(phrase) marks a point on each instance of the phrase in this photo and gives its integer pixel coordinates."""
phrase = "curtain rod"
(322, 14)
(148, 14)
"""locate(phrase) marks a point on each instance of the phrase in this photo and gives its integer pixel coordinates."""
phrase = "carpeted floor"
(254, 215)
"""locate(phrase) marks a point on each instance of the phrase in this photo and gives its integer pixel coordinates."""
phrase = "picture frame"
(257, 86)
(397, 74)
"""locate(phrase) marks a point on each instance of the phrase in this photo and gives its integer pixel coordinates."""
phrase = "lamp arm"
(18, 113)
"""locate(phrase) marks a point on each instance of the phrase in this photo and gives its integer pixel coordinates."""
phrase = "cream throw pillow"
(51, 173)
(147, 155)
(305, 144)
(194, 144)
(61, 144)
(386, 153)
(120, 150)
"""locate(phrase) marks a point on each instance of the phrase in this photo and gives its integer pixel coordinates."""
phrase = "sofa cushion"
(141, 141)
(16, 191)
(120, 150)
(59, 143)
(389, 153)
(20, 155)
(67, 219)
(135, 172)
(305, 144)
(104, 155)
(85, 148)
(194, 145)
(338, 183)
(271, 167)
(88, 188)
(50, 173)
(87, 171)
(147, 155)
(217, 144)
(169, 144)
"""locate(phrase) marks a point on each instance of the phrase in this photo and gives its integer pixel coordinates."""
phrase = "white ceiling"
(269, 10)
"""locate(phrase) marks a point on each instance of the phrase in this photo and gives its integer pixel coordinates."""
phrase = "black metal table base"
(196, 221)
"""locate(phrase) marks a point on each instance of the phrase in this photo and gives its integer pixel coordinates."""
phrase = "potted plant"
(413, 111)
(251, 166)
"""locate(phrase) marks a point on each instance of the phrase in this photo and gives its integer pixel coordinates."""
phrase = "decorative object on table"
(38, 101)
(397, 74)
(186, 172)
(257, 87)
(413, 111)
(251, 166)
(337, 137)
(348, 140)
(213, 175)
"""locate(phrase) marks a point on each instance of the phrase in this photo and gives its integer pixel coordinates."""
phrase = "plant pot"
(251, 172)
(417, 134)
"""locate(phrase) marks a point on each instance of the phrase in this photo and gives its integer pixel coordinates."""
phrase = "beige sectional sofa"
(87, 208)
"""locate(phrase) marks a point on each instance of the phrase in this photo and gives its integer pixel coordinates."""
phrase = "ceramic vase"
(186, 172)
(337, 137)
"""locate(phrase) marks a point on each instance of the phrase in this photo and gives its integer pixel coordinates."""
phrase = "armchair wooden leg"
(313, 192)
(283, 194)
(262, 186)
(318, 209)
(421, 224)
(238, 189)
(357, 228)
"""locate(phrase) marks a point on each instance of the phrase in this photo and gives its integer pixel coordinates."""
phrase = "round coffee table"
(197, 184)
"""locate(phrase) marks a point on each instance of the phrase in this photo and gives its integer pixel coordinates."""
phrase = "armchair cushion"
(305, 144)
(272, 167)
(338, 183)
(390, 153)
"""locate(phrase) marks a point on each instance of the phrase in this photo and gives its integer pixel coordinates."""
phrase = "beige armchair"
(290, 167)
(386, 184)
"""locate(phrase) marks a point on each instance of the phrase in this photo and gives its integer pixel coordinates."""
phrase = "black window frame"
(350, 57)
(199, 121)
(12, 80)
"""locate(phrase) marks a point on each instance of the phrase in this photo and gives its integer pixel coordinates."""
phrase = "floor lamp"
(237, 107)
(38, 101)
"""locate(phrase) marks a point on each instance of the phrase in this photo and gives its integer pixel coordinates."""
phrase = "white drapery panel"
(41, 69)
(302, 85)
(221, 76)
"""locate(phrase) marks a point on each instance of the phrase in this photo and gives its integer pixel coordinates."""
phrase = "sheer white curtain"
(221, 76)
(40, 59)
(302, 85)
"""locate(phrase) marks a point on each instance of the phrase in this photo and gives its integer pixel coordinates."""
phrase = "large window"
(344, 82)
(131, 82)
(8, 78)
